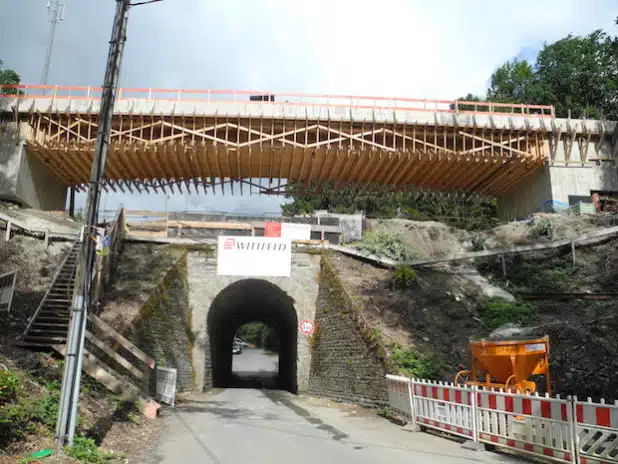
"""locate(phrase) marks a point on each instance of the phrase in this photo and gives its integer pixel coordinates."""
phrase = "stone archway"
(223, 295)
(245, 301)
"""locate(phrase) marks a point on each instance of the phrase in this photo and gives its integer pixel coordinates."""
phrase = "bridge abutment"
(550, 188)
(23, 177)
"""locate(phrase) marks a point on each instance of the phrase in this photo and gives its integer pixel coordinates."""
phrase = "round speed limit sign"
(306, 327)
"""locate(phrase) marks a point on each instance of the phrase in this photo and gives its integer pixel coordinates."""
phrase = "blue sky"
(425, 49)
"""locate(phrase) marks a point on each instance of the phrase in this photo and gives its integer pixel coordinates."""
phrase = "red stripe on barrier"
(580, 413)
(546, 409)
(526, 406)
(603, 417)
(548, 452)
(563, 412)
(492, 402)
(510, 443)
(435, 393)
(567, 456)
(447, 394)
(448, 427)
(508, 403)
(424, 391)
(529, 447)
(458, 396)
(460, 430)
(493, 438)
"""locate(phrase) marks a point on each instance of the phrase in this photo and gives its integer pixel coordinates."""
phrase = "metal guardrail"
(63, 92)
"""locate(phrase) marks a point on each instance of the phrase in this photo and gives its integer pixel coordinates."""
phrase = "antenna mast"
(56, 15)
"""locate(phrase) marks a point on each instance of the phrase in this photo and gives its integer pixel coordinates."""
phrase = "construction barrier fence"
(552, 428)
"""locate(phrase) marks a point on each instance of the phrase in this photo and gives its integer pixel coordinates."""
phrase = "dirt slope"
(440, 311)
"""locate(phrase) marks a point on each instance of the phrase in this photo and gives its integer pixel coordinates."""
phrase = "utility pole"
(69, 394)
(56, 15)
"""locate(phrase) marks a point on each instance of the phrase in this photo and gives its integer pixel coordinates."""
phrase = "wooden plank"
(586, 239)
(135, 351)
(112, 354)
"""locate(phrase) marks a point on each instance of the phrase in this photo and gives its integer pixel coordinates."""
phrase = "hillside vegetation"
(427, 316)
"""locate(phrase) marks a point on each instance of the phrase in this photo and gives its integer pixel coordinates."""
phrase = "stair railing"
(49, 288)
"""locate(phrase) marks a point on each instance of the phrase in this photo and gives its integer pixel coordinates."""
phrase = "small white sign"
(254, 256)
(293, 231)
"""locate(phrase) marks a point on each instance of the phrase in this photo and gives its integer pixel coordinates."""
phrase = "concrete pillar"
(24, 178)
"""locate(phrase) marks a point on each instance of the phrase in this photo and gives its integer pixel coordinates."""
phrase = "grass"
(86, 450)
(496, 312)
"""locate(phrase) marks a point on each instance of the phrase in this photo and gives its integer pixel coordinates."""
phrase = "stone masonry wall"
(348, 363)
(163, 327)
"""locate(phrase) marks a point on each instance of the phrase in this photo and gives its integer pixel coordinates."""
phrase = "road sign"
(306, 327)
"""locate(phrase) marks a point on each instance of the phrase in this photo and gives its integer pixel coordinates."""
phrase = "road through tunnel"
(251, 300)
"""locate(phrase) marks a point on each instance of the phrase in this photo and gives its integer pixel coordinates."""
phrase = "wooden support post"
(7, 237)
(573, 252)
(72, 202)
(503, 265)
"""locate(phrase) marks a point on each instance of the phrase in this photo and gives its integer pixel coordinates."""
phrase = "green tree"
(8, 77)
(580, 74)
(576, 74)
(514, 82)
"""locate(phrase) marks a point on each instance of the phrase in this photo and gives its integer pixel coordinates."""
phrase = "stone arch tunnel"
(245, 301)
(222, 304)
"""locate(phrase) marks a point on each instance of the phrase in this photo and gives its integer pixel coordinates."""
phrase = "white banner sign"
(254, 256)
(293, 231)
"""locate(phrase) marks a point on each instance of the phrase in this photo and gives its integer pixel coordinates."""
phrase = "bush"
(478, 243)
(403, 278)
(542, 228)
(47, 412)
(86, 450)
(414, 364)
(496, 312)
(9, 386)
(386, 245)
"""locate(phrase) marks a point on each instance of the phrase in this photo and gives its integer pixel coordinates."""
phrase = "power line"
(55, 11)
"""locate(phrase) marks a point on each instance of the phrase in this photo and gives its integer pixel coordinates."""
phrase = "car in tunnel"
(236, 347)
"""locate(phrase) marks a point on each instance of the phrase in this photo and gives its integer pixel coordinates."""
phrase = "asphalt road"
(254, 360)
(231, 426)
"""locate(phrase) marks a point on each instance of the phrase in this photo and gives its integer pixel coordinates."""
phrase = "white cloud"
(416, 48)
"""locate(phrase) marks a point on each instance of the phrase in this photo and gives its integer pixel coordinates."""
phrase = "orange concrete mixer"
(508, 363)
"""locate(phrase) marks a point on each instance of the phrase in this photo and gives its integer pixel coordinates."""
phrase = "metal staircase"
(50, 323)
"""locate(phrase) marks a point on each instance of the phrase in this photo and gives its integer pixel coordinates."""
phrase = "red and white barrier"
(561, 430)
(534, 425)
(596, 432)
(445, 407)
(399, 395)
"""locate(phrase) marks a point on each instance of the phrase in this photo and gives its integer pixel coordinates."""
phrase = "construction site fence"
(552, 428)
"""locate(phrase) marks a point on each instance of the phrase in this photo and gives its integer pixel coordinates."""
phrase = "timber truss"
(152, 153)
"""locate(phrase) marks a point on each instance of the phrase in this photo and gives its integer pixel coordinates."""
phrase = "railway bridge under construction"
(256, 142)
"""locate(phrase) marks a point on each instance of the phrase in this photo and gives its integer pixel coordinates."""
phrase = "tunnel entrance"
(253, 301)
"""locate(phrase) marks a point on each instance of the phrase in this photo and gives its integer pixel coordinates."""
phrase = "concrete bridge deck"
(202, 140)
